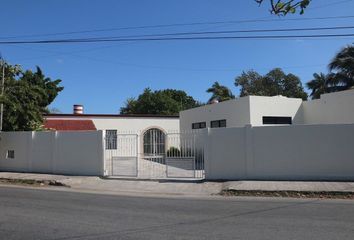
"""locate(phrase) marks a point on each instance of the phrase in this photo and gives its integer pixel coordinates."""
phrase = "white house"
(317, 146)
(133, 123)
(331, 108)
(127, 138)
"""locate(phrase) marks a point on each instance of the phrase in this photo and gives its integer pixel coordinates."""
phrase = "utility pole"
(2, 90)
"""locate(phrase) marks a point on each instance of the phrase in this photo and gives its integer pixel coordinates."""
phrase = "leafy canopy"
(164, 102)
(340, 77)
(276, 82)
(342, 67)
(318, 85)
(26, 97)
(282, 8)
(220, 92)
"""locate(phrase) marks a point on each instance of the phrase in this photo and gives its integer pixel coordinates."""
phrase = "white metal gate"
(155, 154)
(185, 155)
(121, 154)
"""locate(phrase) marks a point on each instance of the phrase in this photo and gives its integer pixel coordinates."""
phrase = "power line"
(180, 25)
(176, 39)
(221, 32)
(158, 67)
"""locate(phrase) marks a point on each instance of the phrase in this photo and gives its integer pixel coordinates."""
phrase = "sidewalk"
(300, 186)
(179, 188)
(124, 186)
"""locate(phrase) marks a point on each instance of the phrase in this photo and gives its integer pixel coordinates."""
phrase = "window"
(218, 123)
(154, 142)
(10, 154)
(111, 139)
(277, 120)
(198, 125)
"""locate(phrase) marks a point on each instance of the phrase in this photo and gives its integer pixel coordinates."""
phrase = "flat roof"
(110, 115)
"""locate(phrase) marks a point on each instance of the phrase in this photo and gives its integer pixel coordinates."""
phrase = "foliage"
(220, 92)
(276, 82)
(54, 110)
(26, 97)
(282, 8)
(342, 67)
(318, 85)
(341, 78)
(164, 102)
(173, 152)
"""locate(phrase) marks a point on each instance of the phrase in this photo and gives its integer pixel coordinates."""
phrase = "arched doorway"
(154, 142)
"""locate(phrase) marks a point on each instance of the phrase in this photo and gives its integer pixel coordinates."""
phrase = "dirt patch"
(292, 194)
(31, 182)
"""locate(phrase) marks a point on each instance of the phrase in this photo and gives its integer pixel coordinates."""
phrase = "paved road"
(42, 214)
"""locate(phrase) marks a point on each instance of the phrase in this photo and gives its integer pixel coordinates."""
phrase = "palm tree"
(318, 85)
(343, 67)
(220, 92)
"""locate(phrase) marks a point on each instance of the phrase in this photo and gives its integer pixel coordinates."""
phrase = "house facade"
(331, 108)
(312, 140)
(106, 122)
(129, 140)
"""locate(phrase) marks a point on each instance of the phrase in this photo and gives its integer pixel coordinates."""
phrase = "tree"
(220, 92)
(282, 8)
(276, 82)
(54, 110)
(318, 85)
(342, 67)
(26, 97)
(164, 102)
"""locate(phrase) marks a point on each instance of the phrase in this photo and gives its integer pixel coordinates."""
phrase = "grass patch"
(31, 182)
(291, 194)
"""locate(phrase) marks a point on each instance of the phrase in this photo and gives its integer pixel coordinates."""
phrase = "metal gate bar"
(162, 155)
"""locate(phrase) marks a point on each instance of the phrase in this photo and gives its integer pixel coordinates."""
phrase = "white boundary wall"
(297, 152)
(331, 108)
(76, 153)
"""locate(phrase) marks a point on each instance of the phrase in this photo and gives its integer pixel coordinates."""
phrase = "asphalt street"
(43, 214)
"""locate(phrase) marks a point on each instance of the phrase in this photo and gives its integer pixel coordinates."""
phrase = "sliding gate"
(155, 154)
(185, 155)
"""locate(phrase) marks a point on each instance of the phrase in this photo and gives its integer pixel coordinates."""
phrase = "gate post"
(207, 153)
(249, 165)
(102, 153)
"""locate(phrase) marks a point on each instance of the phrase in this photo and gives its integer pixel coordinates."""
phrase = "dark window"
(111, 139)
(277, 120)
(10, 154)
(218, 123)
(198, 125)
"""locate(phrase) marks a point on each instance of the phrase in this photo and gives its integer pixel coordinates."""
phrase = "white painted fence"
(297, 152)
(77, 153)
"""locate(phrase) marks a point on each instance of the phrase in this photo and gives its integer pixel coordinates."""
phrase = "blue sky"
(101, 76)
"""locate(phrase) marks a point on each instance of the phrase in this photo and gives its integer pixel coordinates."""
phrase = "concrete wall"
(297, 152)
(236, 112)
(274, 106)
(127, 124)
(225, 156)
(331, 108)
(77, 153)
(136, 125)
(243, 111)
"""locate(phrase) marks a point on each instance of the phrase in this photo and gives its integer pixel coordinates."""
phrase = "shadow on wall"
(299, 115)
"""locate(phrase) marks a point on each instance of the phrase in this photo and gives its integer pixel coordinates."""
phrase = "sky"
(101, 76)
